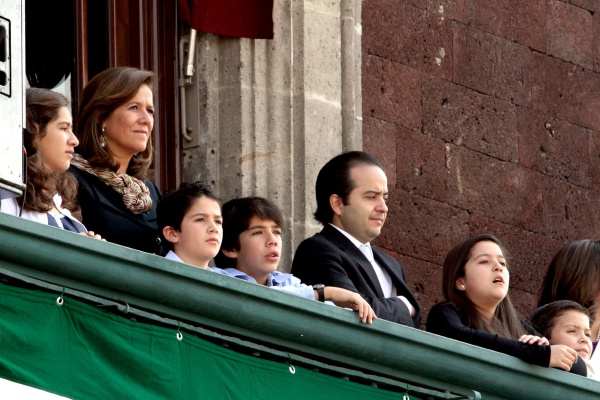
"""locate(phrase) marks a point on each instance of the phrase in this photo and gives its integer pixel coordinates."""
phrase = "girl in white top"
(50, 195)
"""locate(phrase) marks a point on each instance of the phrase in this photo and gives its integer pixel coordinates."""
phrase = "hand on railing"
(347, 299)
(93, 235)
(531, 339)
(562, 356)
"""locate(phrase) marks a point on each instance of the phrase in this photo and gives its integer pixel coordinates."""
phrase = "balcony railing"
(250, 316)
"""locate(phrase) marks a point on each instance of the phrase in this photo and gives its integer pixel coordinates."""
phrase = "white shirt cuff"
(411, 309)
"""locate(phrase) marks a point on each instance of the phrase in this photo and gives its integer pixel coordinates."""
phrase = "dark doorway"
(70, 41)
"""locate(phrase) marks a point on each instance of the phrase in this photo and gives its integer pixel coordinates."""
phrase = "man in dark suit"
(351, 193)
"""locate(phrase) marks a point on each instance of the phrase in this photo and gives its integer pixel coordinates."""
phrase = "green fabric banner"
(81, 352)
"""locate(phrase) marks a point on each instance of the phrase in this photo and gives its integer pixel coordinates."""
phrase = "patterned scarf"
(135, 193)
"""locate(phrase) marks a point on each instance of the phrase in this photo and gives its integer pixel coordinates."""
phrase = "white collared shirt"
(11, 207)
(389, 290)
(385, 281)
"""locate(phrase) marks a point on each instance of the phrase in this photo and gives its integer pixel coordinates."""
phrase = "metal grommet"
(179, 334)
(291, 367)
(406, 396)
(60, 300)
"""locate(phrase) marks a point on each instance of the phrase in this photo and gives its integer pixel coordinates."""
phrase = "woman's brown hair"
(102, 95)
(505, 321)
(574, 274)
(42, 108)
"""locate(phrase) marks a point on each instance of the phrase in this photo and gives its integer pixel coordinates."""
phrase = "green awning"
(79, 351)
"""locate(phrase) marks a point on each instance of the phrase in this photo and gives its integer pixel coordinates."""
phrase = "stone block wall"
(486, 115)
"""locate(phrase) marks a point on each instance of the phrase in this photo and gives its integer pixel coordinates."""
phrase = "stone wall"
(486, 115)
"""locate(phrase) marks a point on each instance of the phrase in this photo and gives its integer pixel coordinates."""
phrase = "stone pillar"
(272, 112)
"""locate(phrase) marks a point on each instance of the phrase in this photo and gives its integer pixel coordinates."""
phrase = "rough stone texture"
(491, 64)
(351, 68)
(570, 33)
(381, 137)
(594, 160)
(523, 22)
(413, 220)
(497, 189)
(596, 49)
(420, 159)
(454, 10)
(569, 212)
(565, 90)
(591, 5)
(524, 302)
(554, 147)
(408, 35)
(465, 117)
(392, 91)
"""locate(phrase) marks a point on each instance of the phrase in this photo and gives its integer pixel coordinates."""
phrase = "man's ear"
(171, 234)
(230, 253)
(336, 203)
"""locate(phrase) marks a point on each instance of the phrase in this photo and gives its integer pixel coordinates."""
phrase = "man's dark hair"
(237, 214)
(176, 204)
(334, 178)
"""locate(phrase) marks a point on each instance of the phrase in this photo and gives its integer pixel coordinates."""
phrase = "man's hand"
(347, 299)
(92, 235)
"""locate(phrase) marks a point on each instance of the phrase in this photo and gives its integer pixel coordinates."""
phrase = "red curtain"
(238, 18)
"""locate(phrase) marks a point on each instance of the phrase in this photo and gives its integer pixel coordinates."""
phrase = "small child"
(190, 222)
(566, 322)
(251, 251)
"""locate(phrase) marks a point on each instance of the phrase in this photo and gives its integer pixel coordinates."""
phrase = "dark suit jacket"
(103, 211)
(331, 259)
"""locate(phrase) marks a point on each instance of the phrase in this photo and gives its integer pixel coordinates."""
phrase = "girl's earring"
(102, 140)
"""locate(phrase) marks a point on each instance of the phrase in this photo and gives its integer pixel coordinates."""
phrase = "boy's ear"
(170, 234)
(230, 253)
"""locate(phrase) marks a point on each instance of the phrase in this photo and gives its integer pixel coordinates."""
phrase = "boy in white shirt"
(251, 251)
(190, 221)
(566, 322)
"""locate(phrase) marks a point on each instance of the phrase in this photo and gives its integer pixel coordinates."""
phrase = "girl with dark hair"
(478, 309)
(50, 195)
(116, 118)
